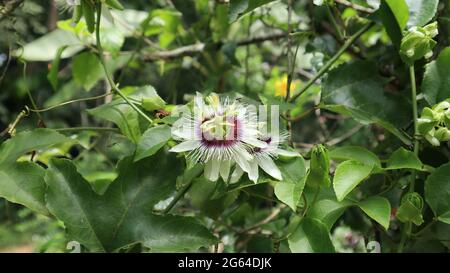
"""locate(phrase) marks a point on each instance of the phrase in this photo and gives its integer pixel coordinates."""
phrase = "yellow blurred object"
(281, 86)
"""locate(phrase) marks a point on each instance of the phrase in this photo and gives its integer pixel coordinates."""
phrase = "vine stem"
(68, 102)
(177, 197)
(406, 232)
(105, 68)
(334, 23)
(330, 63)
(100, 129)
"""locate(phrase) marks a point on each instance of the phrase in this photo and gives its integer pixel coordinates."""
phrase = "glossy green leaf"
(421, 11)
(291, 188)
(87, 70)
(378, 208)
(289, 193)
(28, 141)
(23, 183)
(356, 90)
(404, 159)
(394, 15)
(328, 211)
(52, 42)
(437, 78)
(125, 117)
(348, 175)
(151, 141)
(311, 236)
(123, 216)
(437, 191)
(356, 153)
(445, 218)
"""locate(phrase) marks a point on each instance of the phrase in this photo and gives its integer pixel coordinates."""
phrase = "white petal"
(242, 159)
(253, 173)
(287, 153)
(267, 164)
(225, 170)
(198, 100)
(255, 142)
(236, 175)
(212, 169)
(186, 146)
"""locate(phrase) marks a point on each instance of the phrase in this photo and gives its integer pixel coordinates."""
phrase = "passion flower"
(219, 134)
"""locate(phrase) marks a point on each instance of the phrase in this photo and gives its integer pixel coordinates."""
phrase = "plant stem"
(71, 129)
(334, 23)
(406, 232)
(177, 197)
(330, 63)
(68, 102)
(415, 115)
(105, 68)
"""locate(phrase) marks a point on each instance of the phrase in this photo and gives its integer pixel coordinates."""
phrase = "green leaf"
(421, 11)
(122, 215)
(348, 175)
(437, 78)
(356, 153)
(378, 208)
(125, 117)
(87, 70)
(394, 15)
(23, 183)
(151, 141)
(356, 90)
(328, 211)
(239, 8)
(52, 76)
(202, 196)
(404, 159)
(28, 141)
(294, 177)
(89, 14)
(289, 193)
(445, 218)
(51, 42)
(311, 236)
(437, 191)
(293, 171)
(114, 4)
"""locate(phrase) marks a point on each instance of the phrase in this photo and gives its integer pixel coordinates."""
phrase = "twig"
(266, 220)
(330, 63)
(345, 136)
(355, 6)
(190, 50)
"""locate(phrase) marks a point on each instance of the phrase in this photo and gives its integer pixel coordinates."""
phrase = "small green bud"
(442, 134)
(433, 141)
(410, 209)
